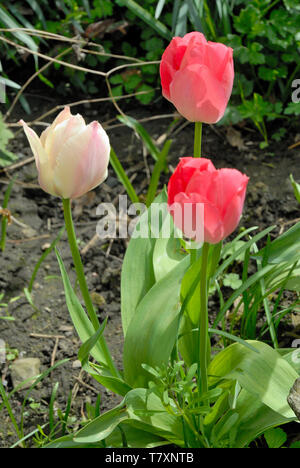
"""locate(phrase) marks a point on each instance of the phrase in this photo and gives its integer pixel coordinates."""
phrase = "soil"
(44, 330)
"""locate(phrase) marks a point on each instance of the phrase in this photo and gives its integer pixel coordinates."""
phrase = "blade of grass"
(43, 256)
(144, 15)
(142, 133)
(122, 176)
(4, 220)
(158, 168)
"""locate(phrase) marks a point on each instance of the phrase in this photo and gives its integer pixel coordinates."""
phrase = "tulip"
(71, 157)
(197, 77)
(221, 193)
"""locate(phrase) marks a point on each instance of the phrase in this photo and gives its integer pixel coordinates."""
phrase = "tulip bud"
(221, 193)
(71, 157)
(197, 77)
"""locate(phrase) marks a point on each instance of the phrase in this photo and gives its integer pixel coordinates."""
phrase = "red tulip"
(197, 77)
(219, 192)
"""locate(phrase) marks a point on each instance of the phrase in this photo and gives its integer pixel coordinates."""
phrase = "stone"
(23, 369)
(294, 398)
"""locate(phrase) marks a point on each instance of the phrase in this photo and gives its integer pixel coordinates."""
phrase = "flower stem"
(203, 325)
(197, 139)
(82, 282)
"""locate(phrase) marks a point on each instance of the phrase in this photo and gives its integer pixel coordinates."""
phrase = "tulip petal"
(35, 144)
(198, 95)
(184, 173)
(82, 162)
(226, 183)
(60, 133)
(45, 171)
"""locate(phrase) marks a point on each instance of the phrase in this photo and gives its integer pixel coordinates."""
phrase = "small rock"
(294, 398)
(29, 232)
(45, 246)
(23, 369)
(76, 364)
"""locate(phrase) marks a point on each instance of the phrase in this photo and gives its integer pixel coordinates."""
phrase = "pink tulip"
(221, 193)
(197, 77)
(71, 157)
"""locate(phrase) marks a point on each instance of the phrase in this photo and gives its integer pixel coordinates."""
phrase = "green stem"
(82, 282)
(203, 325)
(197, 139)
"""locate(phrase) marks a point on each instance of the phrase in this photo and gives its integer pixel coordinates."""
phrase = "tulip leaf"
(286, 248)
(138, 276)
(147, 409)
(153, 330)
(79, 318)
(254, 419)
(104, 377)
(87, 346)
(167, 250)
(135, 438)
(102, 426)
(266, 374)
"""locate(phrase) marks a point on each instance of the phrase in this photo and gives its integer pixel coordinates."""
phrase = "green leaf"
(79, 318)
(104, 377)
(265, 374)
(142, 133)
(296, 188)
(145, 16)
(102, 426)
(255, 57)
(293, 108)
(232, 280)
(122, 176)
(286, 248)
(145, 407)
(137, 278)
(153, 329)
(160, 164)
(247, 21)
(275, 437)
(148, 96)
(9, 22)
(254, 419)
(87, 346)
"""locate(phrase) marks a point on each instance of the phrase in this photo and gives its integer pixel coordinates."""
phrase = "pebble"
(23, 369)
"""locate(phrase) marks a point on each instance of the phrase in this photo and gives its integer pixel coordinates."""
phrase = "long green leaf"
(142, 132)
(9, 22)
(144, 15)
(137, 276)
(79, 318)
(265, 374)
(286, 248)
(153, 329)
(122, 176)
(158, 168)
(102, 426)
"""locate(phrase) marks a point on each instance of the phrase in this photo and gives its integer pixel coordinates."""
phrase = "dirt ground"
(45, 331)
